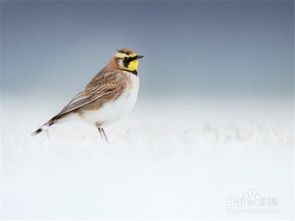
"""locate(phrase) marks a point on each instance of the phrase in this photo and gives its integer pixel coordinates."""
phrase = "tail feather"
(43, 128)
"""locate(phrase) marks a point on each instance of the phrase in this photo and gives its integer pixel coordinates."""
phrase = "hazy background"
(204, 48)
(214, 117)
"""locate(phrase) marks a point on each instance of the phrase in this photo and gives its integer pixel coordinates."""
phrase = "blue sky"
(195, 48)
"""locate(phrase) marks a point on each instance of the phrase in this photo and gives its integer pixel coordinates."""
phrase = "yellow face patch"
(132, 66)
(129, 65)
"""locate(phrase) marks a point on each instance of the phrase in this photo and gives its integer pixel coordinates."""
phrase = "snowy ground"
(169, 159)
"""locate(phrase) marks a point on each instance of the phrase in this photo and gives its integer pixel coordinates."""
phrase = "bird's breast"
(115, 110)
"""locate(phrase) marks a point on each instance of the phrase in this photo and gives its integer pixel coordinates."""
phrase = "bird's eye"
(125, 61)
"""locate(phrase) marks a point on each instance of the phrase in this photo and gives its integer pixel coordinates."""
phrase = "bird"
(108, 97)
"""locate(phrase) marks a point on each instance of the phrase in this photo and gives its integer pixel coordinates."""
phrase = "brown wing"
(103, 87)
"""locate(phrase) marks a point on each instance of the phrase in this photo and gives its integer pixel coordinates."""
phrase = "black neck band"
(134, 72)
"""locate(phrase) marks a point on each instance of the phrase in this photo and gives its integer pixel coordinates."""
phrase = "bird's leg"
(98, 126)
(100, 133)
(105, 136)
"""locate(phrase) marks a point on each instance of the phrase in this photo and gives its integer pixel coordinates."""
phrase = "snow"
(171, 158)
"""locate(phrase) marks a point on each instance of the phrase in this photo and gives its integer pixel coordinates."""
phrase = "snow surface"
(170, 159)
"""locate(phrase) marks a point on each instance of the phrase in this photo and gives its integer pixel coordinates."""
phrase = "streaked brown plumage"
(106, 87)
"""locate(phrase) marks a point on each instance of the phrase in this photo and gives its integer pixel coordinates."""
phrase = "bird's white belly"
(114, 110)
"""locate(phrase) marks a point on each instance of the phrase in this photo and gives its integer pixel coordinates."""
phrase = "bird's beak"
(135, 58)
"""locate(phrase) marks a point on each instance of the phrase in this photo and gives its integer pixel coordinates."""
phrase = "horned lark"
(109, 96)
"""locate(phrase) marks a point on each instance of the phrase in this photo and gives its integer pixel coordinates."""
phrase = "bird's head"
(127, 59)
